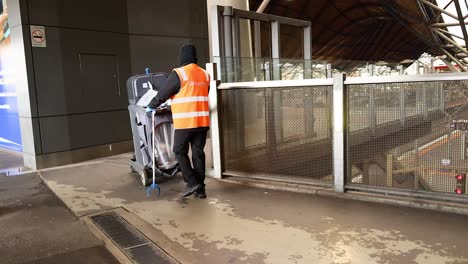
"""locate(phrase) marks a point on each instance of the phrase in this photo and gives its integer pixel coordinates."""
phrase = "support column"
(17, 57)
(416, 164)
(339, 132)
(308, 52)
(402, 105)
(372, 113)
(259, 63)
(215, 126)
(278, 100)
(276, 49)
(416, 65)
(389, 170)
(215, 21)
(401, 70)
(424, 99)
(329, 71)
(441, 97)
(370, 69)
(464, 146)
(216, 49)
(236, 52)
(228, 43)
(309, 114)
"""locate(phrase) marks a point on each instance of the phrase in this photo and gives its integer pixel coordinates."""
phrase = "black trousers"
(196, 139)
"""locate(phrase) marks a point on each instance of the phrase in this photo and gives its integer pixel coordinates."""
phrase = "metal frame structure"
(226, 37)
(340, 129)
(440, 33)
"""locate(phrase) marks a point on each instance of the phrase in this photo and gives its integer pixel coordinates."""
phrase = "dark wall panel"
(180, 18)
(161, 53)
(93, 47)
(78, 131)
(81, 71)
(101, 15)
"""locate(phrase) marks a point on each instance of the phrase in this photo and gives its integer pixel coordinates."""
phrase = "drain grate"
(146, 255)
(119, 230)
(130, 240)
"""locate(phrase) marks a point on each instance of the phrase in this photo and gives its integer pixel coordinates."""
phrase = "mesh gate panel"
(400, 135)
(279, 133)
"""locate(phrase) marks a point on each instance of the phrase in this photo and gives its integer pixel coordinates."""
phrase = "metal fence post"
(402, 104)
(389, 170)
(307, 52)
(236, 54)
(228, 43)
(329, 71)
(372, 114)
(217, 48)
(441, 97)
(259, 62)
(309, 113)
(276, 49)
(267, 68)
(463, 145)
(425, 109)
(215, 126)
(370, 69)
(339, 132)
(416, 161)
(401, 70)
(308, 92)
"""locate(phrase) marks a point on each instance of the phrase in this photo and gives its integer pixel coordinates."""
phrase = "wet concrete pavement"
(238, 224)
(36, 227)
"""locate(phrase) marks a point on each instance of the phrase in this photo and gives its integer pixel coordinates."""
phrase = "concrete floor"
(238, 224)
(36, 227)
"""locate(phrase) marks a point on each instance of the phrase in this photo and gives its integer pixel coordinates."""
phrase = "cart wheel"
(145, 181)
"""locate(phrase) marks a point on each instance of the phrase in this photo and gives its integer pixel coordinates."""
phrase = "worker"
(188, 88)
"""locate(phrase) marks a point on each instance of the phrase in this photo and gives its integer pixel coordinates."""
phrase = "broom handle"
(154, 159)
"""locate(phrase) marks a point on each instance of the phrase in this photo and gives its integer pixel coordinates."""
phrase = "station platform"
(241, 224)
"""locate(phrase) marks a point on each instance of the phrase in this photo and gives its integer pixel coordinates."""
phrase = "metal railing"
(388, 134)
(263, 69)
(277, 129)
(418, 150)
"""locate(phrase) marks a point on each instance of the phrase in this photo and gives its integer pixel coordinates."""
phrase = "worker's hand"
(149, 111)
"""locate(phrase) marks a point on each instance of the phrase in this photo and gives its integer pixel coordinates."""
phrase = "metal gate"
(409, 135)
(397, 134)
(281, 132)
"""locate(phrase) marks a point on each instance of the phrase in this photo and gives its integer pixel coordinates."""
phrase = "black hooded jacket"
(187, 55)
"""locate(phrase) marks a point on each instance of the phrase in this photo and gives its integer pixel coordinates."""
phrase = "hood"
(187, 54)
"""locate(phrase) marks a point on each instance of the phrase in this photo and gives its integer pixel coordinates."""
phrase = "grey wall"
(80, 76)
(159, 28)
(78, 81)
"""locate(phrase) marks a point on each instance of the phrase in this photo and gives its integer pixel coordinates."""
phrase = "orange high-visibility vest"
(190, 105)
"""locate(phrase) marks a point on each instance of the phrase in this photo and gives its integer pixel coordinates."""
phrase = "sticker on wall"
(38, 36)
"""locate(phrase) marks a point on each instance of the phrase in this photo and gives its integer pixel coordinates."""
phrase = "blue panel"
(10, 133)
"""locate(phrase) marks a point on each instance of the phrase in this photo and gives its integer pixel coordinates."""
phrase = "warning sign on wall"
(38, 36)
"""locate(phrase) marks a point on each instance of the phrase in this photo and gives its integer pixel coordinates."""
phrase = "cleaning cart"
(153, 132)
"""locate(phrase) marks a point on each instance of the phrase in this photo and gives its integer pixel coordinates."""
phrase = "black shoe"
(200, 194)
(191, 190)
